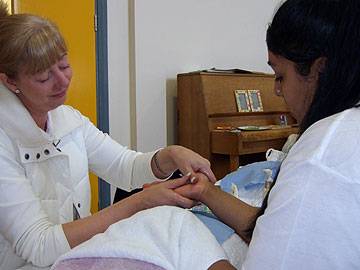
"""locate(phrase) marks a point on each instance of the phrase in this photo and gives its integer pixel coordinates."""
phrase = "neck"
(40, 117)
(40, 120)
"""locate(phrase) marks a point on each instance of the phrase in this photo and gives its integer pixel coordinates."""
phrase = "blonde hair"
(28, 41)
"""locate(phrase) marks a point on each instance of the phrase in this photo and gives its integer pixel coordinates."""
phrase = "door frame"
(102, 86)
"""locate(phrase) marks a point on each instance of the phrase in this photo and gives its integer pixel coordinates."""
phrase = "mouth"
(59, 95)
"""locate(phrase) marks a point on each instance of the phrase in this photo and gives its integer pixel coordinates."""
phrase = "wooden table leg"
(234, 162)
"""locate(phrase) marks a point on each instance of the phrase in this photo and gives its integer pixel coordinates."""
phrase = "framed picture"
(255, 100)
(242, 101)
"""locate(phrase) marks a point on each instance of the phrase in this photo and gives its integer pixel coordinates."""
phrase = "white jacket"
(41, 183)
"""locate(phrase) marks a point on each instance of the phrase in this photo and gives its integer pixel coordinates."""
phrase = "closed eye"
(43, 80)
(64, 67)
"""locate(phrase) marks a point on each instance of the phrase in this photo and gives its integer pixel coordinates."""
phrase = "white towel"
(170, 237)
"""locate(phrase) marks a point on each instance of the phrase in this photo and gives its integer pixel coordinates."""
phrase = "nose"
(277, 91)
(277, 88)
(62, 78)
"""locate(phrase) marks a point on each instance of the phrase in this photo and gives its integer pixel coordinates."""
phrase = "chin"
(54, 106)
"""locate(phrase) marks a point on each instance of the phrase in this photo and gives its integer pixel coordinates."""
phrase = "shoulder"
(69, 111)
(66, 119)
(331, 142)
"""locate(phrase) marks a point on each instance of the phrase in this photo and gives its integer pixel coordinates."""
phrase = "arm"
(35, 233)
(230, 210)
(222, 265)
(129, 169)
(161, 194)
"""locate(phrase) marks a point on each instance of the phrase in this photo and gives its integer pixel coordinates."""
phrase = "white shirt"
(313, 217)
(40, 186)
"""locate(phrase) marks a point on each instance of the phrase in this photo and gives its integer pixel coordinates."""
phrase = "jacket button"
(37, 156)
(46, 151)
(27, 156)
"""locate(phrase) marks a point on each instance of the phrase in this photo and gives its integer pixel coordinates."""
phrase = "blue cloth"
(220, 230)
(248, 178)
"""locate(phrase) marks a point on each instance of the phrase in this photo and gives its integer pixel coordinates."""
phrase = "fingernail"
(192, 179)
(188, 174)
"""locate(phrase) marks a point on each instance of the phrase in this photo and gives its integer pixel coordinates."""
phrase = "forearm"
(222, 265)
(83, 229)
(230, 210)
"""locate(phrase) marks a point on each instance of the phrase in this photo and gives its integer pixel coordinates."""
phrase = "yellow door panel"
(9, 3)
(75, 20)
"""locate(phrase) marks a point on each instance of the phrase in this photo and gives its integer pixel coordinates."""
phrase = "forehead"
(28, 67)
(23, 71)
(277, 62)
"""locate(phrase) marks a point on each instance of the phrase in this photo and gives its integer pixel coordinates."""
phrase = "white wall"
(118, 71)
(157, 39)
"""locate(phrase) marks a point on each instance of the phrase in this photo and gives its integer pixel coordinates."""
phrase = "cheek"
(69, 73)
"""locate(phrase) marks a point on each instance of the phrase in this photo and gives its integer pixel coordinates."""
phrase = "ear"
(317, 67)
(8, 82)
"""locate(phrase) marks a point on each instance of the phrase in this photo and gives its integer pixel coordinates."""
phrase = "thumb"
(209, 174)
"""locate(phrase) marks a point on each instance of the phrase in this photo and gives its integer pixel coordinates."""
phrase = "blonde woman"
(47, 148)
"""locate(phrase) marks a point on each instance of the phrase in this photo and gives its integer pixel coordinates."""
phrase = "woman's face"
(46, 90)
(296, 89)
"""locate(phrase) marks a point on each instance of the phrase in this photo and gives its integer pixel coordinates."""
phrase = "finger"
(147, 185)
(188, 170)
(193, 180)
(183, 201)
(209, 174)
(175, 183)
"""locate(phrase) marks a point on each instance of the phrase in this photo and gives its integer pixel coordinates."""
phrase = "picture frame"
(242, 101)
(255, 100)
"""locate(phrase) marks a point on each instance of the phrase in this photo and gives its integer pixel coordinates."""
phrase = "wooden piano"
(209, 118)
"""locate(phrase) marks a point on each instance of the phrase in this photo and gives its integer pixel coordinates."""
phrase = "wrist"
(163, 161)
(142, 202)
(208, 193)
(157, 168)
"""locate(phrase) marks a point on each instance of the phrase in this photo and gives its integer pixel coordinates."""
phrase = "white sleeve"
(22, 220)
(115, 163)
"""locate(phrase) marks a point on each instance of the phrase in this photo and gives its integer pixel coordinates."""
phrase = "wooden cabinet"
(208, 118)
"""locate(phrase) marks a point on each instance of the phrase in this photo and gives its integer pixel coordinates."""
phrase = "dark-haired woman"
(312, 220)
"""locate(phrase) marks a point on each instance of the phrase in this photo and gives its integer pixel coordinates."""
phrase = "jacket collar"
(17, 122)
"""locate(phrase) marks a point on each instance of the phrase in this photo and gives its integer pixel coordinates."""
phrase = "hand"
(162, 193)
(196, 190)
(187, 161)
